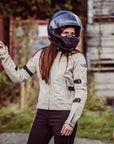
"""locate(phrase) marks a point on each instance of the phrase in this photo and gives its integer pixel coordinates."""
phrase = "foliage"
(12, 119)
(41, 8)
(94, 103)
(97, 125)
(4, 80)
(97, 121)
(8, 91)
(11, 93)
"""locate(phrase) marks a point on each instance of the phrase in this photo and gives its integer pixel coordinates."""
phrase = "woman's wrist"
(4, 52)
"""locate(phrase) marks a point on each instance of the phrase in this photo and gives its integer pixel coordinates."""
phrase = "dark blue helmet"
(64, 19)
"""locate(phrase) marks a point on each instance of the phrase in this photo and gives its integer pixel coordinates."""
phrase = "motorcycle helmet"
(64, 19)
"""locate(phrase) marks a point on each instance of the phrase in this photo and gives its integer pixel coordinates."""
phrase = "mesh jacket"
(68, 87)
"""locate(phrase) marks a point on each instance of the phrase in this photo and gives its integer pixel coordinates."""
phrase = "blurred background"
(23, 28)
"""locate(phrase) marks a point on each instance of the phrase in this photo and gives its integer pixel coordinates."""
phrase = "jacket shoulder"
(78, 56)
(38, 52)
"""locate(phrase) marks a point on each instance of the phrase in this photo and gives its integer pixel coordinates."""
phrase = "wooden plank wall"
(104, 84)
(100, 35)
(107, 40)
(103, 7)
(100, 47)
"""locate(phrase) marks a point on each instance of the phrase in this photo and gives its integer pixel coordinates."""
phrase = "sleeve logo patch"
(84, 65)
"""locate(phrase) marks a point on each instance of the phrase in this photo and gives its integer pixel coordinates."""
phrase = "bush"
(8, 91)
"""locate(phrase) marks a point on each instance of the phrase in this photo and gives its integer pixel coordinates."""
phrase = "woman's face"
(68, 31)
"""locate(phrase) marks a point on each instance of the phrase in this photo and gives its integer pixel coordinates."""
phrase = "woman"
(62, 74)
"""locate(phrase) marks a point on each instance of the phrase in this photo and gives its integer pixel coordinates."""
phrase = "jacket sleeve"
(80, 85)
(15, 74)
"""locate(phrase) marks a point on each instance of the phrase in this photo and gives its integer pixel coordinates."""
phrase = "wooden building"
(100, 45)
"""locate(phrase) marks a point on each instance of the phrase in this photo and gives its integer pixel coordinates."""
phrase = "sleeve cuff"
(70, 123)
(4, 54)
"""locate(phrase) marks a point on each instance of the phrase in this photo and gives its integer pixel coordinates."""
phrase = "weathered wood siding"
(100, 34)
(106, 41)
(100, 46)
(103, 7)
(104, 84)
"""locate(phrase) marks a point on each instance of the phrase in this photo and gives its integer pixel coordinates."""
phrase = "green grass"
(12, 119)
(97, 125)
(97, 121)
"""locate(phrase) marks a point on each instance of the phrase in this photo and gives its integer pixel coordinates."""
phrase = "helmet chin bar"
(67, 43)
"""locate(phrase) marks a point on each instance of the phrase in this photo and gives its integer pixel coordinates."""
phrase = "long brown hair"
(47, 58)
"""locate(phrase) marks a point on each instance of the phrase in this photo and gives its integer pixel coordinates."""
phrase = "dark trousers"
(49, 123)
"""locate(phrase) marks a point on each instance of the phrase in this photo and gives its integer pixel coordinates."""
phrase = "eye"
(65, 33)
(73, 34)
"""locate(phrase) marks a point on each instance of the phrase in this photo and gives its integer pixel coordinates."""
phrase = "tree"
(40, 9)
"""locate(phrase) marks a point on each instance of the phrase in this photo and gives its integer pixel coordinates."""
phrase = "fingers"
(2, 47)
(62, 130)
(67, 133)
(1, 44)
(66, 130)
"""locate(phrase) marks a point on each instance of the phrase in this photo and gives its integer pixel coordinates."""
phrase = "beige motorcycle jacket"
(67, 89)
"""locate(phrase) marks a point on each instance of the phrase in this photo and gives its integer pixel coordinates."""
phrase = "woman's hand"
(2, 47)
(66, 130)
